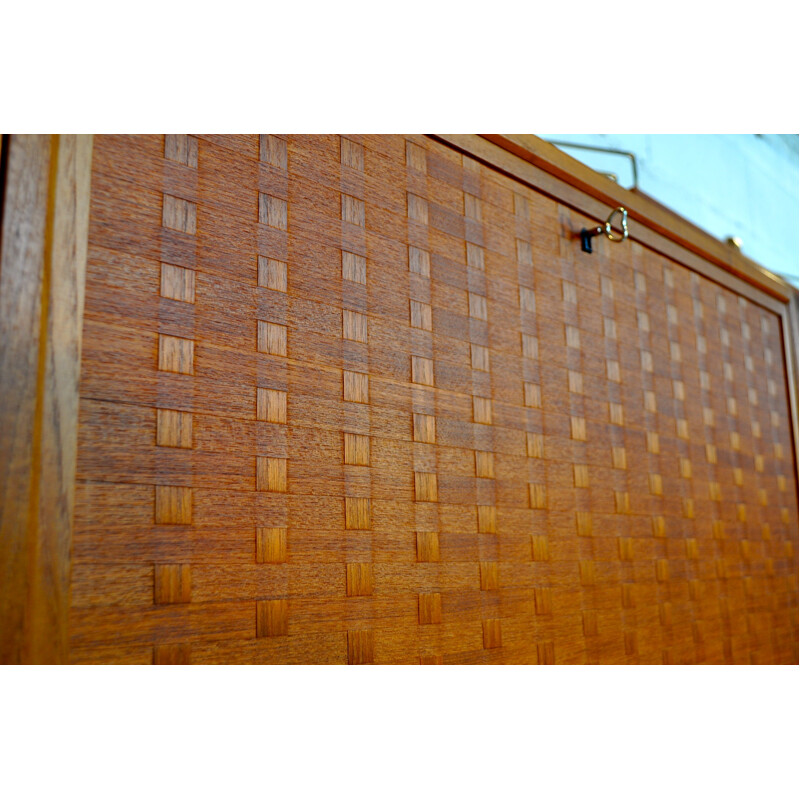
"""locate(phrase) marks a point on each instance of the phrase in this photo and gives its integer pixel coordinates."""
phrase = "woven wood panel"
(361, 399)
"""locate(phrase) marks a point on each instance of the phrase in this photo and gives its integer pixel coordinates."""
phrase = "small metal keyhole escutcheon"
(587, 234)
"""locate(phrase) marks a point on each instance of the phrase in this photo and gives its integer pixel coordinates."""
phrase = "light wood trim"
(45, 219)
(543, 166)
(789, 324)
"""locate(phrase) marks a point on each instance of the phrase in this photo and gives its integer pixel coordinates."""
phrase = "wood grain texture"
(271, 405)
(430, 608)
(181, 147)
(171, 654)
(272, 274)
(272, 618)
(173, 505)
(173, 583)
(45, 213)
(173, 428)
(270, 545)
(176, 354)
(425, 428)
(360, 580)
(177, 283)
(179, 214)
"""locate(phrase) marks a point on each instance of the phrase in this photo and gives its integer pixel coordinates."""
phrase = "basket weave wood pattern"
(362, 399)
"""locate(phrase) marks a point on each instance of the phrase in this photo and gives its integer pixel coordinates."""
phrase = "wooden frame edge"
(43, 250)
(789, 325)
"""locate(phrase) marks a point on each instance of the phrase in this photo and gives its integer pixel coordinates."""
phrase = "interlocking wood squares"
(360, 399)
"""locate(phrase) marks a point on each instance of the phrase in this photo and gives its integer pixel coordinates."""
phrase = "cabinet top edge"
(641, 208)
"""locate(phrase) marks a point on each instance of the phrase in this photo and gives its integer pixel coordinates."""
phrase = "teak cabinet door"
(364, 400)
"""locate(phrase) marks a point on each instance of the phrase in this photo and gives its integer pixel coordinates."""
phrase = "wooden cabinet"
(364, 399)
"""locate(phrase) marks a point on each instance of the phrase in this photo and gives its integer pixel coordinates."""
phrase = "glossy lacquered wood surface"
(362, 399)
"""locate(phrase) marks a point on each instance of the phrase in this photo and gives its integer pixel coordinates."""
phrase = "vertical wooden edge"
(24, 205)
(789, 325)
(43, 249)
